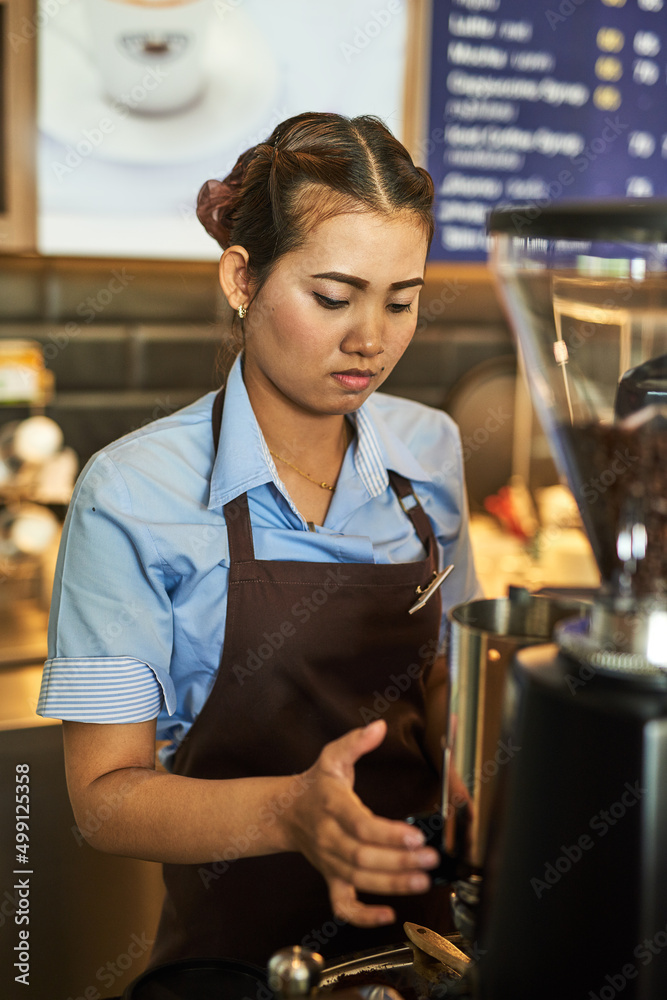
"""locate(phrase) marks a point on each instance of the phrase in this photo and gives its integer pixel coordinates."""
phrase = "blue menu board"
(537, 101)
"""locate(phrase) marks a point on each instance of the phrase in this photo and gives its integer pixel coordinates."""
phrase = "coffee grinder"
(574, 891)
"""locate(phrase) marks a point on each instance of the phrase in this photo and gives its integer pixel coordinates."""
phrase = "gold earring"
(242, 311)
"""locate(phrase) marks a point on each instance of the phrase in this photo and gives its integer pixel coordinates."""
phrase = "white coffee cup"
(150, 52)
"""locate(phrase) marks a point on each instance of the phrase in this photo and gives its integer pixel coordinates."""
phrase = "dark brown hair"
(311, 167)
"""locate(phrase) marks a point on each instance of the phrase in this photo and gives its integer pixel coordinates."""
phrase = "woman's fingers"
(367, 828)
(352, 847)
(388, 884)
(370, 861)
(377, 856)
(346, 906)
(384, 872)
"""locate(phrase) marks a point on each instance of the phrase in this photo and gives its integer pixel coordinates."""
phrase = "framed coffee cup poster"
(528, 101)
(141, 101)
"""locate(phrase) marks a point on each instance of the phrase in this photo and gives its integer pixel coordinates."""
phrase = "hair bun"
(215, 203)
(218, 200)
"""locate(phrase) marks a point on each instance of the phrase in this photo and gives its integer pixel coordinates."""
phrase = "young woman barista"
(242, 573)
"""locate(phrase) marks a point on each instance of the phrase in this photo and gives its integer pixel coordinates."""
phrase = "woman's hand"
(350, 846)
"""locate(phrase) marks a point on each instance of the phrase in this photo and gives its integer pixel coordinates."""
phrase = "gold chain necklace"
(324, 486)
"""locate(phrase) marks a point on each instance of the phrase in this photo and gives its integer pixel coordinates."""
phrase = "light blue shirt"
(139, 601)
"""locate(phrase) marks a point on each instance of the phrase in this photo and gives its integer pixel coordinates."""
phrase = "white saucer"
(242, 87)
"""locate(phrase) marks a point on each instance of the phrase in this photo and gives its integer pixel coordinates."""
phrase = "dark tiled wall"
(131, 341)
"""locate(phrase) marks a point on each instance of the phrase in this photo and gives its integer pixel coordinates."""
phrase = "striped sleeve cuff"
(104, 689)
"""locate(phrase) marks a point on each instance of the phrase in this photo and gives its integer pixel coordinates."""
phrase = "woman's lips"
(354, 378)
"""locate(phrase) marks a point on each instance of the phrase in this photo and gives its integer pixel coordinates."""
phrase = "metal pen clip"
(427, 592)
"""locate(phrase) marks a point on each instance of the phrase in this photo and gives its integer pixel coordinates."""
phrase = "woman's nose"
(366, 336)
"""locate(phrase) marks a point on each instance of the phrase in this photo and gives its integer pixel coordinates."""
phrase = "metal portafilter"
(297, 972)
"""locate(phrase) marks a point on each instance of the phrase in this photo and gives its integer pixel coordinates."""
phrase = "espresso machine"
(573, 883)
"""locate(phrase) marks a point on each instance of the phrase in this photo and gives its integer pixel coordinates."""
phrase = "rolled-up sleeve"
(110, 626)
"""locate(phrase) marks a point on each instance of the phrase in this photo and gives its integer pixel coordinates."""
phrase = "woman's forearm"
(149, 814)
(124, 805)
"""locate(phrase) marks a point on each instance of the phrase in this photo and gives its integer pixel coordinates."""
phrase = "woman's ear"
(233, 273)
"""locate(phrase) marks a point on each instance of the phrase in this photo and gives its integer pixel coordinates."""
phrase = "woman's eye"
(400, 307)
(328, 303)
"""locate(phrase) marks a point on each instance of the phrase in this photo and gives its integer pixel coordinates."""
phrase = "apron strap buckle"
(409, 506)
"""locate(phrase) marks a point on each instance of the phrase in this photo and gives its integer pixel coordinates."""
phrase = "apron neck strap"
(409, 501)
(237, 514)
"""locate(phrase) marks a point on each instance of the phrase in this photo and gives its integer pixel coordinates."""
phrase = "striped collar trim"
(369, 460)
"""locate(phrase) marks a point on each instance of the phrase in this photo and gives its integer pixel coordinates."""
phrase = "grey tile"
(134, 292)
(20, 294)
(184, 354)
(81, 357)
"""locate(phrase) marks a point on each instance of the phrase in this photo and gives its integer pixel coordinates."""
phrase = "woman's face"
(334, 317)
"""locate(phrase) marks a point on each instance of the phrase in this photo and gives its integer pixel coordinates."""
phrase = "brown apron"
(311, 650)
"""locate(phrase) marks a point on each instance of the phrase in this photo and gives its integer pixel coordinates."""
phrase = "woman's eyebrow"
(409, 283)
(350, 279)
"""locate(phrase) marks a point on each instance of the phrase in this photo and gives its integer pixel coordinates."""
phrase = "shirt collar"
(243, 460)
(379, 449)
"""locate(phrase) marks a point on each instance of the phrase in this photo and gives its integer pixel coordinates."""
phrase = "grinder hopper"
(586, 291)
(569, 900)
